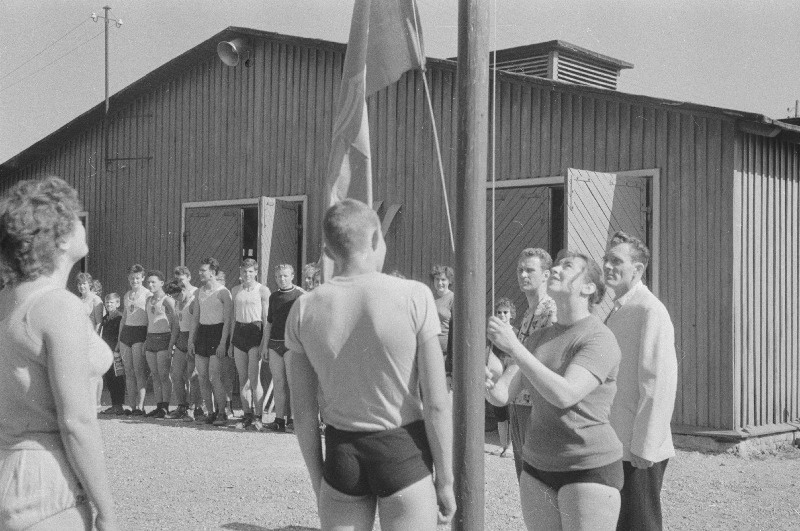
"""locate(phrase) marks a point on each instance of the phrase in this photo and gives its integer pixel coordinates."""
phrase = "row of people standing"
(190, 338)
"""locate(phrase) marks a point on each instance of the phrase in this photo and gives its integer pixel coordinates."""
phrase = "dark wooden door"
(279, 236)
(215, 232)
(522, 219)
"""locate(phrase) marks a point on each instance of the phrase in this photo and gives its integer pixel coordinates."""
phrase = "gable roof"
(749, 122)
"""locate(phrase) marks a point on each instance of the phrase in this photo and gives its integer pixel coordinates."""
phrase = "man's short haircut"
(545, 260)
(212, 264)
(639, 251)
(136, 269)
(249, 262)
(35, 215)
(504, 303)
(84, 278)
(182, 270)
(445, 270)
(348, 227)
(282, 267)
(173, 287)
(113, 296)
(593, 273)
(155, 273)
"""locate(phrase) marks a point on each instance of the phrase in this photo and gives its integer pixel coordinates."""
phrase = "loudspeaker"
(231, 51)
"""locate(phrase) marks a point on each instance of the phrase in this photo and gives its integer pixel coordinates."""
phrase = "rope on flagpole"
(435, 132)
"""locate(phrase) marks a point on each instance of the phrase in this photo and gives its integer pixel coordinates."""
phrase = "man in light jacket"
(646, 384)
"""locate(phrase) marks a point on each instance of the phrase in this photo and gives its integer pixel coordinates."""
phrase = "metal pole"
(470, 295)
(105, 20)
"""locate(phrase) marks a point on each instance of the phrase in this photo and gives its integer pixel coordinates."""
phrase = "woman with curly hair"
(51, 455)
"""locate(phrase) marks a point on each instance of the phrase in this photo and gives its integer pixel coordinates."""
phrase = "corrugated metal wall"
(766, 281)
(226, 133)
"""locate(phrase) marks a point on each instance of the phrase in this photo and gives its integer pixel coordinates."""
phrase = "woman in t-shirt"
(572, 469)
(441, 283)
(51, 450)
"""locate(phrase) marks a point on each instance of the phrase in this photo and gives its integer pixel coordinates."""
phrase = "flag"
(385, 41)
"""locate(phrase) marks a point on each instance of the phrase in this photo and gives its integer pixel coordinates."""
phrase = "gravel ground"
(175, 475)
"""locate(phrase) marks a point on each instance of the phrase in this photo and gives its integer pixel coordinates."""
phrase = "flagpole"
(470, 295)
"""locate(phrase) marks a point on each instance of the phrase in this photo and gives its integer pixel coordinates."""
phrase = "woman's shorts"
(133, 334)
(207, 339)
(610, 475)
(279, 346)
(246, 335)
(156, 342)
(182, 343)
(36, 485)
(376, 463)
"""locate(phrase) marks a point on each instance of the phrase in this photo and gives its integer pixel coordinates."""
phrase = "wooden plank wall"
(212, 133)
(767, 280)
(224, 133)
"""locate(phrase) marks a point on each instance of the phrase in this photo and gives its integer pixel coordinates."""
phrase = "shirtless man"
(162, 331)
(132, 334)
(370, 342)
(280, 303)
(250, 303)
(211, 310)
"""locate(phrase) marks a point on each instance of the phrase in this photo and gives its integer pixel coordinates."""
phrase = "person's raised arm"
(227, 312)
(194, 309)
(437, 410)
(503, 390)
(561, 391)
(65, 341)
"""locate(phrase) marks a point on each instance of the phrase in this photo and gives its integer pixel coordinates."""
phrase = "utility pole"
(106, 18)
(470, 296)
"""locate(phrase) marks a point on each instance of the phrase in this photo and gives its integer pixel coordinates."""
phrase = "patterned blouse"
(535, 318)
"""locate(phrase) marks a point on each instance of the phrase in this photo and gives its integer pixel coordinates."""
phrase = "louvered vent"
(532, 66)
(562, 61)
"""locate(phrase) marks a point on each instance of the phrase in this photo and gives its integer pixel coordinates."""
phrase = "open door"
(598, 205)
(214, 232)
(279, 238)
(522, 219)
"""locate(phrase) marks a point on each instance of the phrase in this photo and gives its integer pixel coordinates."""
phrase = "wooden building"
(198, 158)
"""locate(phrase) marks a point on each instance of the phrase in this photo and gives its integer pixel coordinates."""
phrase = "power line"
(51, 62)
(76, 26)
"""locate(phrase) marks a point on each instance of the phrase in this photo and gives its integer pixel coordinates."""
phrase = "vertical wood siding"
(766, 281)
(216, 133)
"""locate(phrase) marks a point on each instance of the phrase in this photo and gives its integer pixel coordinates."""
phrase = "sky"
(735, 54)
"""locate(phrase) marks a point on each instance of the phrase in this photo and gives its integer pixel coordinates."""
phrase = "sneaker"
(160, 413)
(200, 415)
(113, 410)
(136, 412)
(179, 413)
(276, 426)
(127, 412)
(247, 420)
(188, 415)
(152, 413)
(221, 419)
(290, 424)
(211, 417)
(257, 425)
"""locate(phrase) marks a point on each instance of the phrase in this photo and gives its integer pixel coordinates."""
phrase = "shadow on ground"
(238, 526)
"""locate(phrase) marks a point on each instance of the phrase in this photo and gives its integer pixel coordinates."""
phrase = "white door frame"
(655, 189)
(245, 202)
